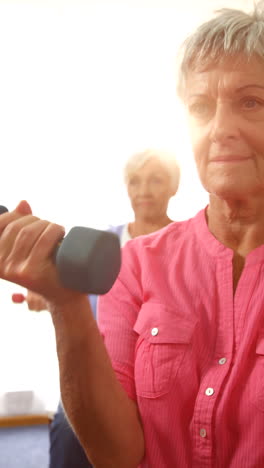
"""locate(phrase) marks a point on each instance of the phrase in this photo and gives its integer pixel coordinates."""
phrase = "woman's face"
(225, 106)
(149, 190)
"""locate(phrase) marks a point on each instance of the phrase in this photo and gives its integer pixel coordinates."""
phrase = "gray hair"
(168, 160)
(231, 33)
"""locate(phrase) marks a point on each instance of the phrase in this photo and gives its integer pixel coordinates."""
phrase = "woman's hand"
(26, 247)
(35, 302)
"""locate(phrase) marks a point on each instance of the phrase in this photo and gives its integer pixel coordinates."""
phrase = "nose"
(143, 188)
(225, 125)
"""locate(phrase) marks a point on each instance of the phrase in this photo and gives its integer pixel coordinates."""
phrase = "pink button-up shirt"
(187, 350)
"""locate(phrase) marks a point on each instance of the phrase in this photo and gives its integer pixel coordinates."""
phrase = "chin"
(232, 193)
(232, 187)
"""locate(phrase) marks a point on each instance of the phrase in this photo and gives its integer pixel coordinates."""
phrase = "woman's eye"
(200, 109)
(133, 181)
(252, 103)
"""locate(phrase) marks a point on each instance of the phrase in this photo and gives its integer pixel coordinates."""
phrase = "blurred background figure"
(151, 177)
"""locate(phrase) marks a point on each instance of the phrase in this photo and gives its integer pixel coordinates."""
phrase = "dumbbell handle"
(88, 260)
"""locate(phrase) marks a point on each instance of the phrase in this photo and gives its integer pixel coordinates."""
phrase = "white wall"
(83, 84)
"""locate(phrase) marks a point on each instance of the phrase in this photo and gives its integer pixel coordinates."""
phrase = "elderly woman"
(151, 178)
(181, 363)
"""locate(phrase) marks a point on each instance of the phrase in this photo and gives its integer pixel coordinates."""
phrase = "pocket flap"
(159, 324)
(260, 344)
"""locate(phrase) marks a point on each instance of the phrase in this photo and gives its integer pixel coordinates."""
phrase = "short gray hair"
(167, 159)
(230, 34)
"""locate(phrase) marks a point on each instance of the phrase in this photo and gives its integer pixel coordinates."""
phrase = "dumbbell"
(88, 260)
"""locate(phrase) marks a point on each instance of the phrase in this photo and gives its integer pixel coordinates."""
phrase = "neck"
(141, 227)
(238, 224)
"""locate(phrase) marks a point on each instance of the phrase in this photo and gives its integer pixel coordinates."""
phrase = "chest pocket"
(259, 378)
(164, 336)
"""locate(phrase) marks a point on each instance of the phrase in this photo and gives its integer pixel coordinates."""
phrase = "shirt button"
(154, 331)
(203, 433)
(222, 361)
(209, 391)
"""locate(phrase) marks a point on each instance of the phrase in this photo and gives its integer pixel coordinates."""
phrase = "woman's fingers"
(26, 246)
(35, 302)
(47, 241)
(23, 208)
(12, 231)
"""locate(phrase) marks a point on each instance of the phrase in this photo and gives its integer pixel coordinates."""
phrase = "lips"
(230, 158)
(144, 202)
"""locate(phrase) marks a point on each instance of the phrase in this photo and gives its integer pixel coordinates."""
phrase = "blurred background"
(83, 85)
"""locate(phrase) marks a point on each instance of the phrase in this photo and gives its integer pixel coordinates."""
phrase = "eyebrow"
(249, 86)
(242, 88)
(197, 95)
